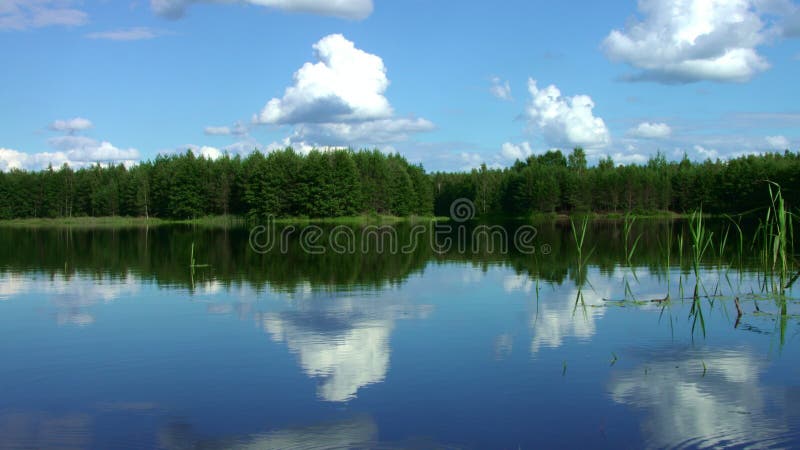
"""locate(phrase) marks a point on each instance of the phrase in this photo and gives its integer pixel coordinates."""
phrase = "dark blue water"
(453, 354)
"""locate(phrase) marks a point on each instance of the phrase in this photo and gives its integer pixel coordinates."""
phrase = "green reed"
(701, 241)
(740, 242)
(627, 228)
(776, 246)
(579, 235)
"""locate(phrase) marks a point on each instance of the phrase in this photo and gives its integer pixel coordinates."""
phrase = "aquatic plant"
(775, 240)
(701, 241)
(630, 249)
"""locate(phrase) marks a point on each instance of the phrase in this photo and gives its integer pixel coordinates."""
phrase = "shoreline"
(209, 221)
(233, 221)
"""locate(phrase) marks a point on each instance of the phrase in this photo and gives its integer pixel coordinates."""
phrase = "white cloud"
(786, 10)
(500, 89)
(71, 125)
(247, 146)
(513, 152)
(648, 130)
(710, 149)
(217, 131)
(565, 121)
(346, 85)
(11, 159)
(681, 41)
(126, 34)
(206, 151)
(628, 158)
(339, 100)
(346, 9)
(76, 151)
(241, 148)
(25, 14)
(80, 149)
(374, 131)
(706, 153)
(238, 129)
(470, 160)
(778, 142)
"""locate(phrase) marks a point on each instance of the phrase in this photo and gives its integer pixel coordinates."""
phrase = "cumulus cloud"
(126, 34)
(706, 153)
(786, 15)
(500, 89)
(513, 152)
(778, 142)
(247, 146)
(25, 14)
(75, 151)
(11, 159)
(648, 130)
(242, 148)
(98, 152)
(722, 149)
(346, 9)
(680, 41)
(565, 121)
(81, 151)
(629, 157)
(374, 131)
(471, 160)
(346, 85)
(207, 152)
(71, 125)
(340, 100)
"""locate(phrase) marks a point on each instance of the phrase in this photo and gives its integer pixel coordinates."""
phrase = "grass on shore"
(358, 220)
(114, 222)
(615, 216)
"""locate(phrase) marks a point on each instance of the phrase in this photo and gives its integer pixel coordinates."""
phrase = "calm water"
(109, 339)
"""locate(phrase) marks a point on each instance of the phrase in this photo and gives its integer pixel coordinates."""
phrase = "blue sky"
(447, 85)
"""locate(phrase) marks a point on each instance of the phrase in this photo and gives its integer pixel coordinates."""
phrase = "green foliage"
(551, 182)
(283, 183)
(336, 183)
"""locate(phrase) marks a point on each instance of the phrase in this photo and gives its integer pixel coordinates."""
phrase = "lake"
(189, 337)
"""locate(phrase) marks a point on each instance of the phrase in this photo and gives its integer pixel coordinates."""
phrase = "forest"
(552, 182)
(282, 183)
(341, 183)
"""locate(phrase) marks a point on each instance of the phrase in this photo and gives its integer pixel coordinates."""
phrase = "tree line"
(282, 183)
(552, 182)
(336, 183)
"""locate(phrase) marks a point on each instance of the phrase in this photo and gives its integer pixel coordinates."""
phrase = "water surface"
(109, 339)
